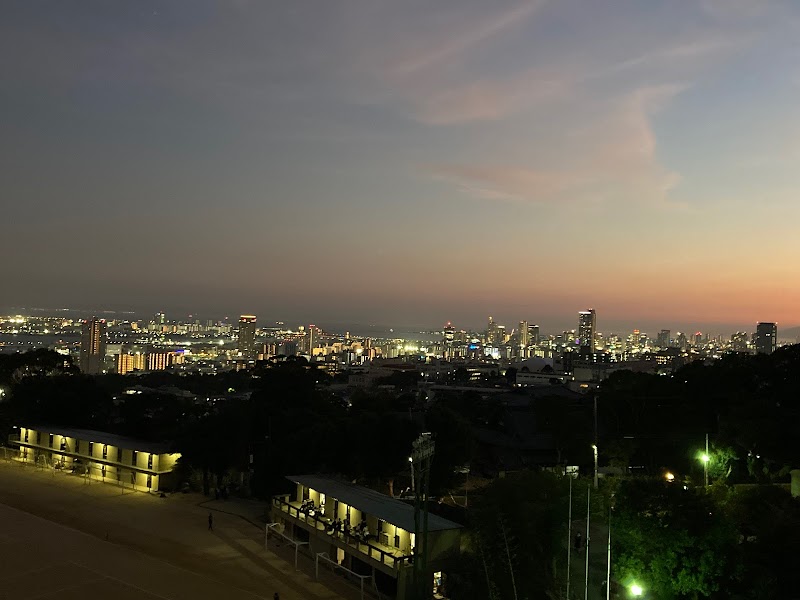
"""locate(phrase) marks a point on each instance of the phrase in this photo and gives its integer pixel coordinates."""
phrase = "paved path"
(62, 537)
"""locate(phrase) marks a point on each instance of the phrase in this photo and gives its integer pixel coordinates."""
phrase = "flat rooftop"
(103, 437)
(374, 503)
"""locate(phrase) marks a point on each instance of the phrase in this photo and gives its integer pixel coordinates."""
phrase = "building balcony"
(390, 558)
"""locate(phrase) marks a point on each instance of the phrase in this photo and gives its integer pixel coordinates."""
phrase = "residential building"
(587, 327)
(127, 462)
(129, 362)
(247, 336)
(310, 516)
(93, 346)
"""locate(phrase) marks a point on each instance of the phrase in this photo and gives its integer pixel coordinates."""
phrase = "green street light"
(636, 590)
(705, 458)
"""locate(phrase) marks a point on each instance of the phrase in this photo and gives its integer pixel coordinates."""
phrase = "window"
(133, 457)
(105, 451)
(103, 470)
(149, 481)
(26, 435)
(91, 448)
(149, 463)
(63, 444)
(50, 441)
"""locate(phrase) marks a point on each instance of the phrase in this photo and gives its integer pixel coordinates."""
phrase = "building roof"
(371, 502)
(102, 437)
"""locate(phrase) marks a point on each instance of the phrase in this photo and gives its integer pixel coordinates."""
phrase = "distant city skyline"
(390, 163)
(472, 322)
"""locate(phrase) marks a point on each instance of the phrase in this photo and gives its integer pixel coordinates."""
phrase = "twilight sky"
(404, 161)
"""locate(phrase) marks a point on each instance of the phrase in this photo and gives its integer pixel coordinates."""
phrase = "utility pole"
(594, 446)
(706, 458)
(608, 559)
(569, 533)
(588, 506)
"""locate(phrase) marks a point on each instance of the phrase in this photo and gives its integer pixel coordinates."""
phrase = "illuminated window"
(149, 463)
(105, 451)
(63, 444)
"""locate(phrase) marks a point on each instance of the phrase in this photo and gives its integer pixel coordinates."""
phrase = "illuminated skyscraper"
(93, 346)
(449, 334)
(491, 331)
(311, 338)
(247, 336)
(524, 334)
(766, 338)
(587, 326)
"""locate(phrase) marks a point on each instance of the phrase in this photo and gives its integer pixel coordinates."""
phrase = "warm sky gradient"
(404, 161)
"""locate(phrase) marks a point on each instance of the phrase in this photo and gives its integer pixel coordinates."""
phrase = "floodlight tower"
(421, 458)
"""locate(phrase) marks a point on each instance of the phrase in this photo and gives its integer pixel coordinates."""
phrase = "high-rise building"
(524, 334)
(491, 331)
(533, 335)
(449, 334)
(247, 336)
(681, 341)
(587, 326)
(663, 339)
(739, 341)
(311, 338)
(766, 338)
(93, 346)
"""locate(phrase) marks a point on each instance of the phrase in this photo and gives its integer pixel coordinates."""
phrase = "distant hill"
(790, 334)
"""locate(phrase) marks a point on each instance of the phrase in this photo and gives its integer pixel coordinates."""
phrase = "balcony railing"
(384, 554)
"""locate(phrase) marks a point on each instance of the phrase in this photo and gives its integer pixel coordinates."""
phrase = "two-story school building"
(140, 465)
(365, 531)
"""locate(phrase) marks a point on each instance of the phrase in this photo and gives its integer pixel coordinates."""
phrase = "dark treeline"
(750, 406)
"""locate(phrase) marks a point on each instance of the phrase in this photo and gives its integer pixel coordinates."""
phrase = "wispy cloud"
(451, 43)
(488, 100)
(612, 158)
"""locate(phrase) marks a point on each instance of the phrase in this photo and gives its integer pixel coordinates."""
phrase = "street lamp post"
(594, 449)
(706, 458)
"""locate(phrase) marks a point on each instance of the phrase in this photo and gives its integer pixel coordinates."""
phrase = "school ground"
(64, 537)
